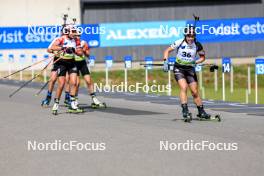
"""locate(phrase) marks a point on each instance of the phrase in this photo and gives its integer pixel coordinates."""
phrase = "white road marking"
(209, 102)
(234, 104)
(129, 94)
(155, 96)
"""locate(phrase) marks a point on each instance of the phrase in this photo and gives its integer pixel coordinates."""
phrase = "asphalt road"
(130, 134)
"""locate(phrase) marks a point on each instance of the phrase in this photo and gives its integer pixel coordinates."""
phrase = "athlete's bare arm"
(167, 52)
(55, 46)
(86, 49)
(201, 57)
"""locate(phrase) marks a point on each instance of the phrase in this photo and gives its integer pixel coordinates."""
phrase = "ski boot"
(202, 114)
(187, 116)
(73, 108)
(67, 102)
(97, 104)
(46, 101)
(208, 117)
(55, 107)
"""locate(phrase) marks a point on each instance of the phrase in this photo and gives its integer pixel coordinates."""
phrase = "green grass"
(158, 77)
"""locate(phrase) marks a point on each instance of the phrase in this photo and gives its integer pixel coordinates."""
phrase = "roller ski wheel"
(55, 112)
(55, 108)
(96, 106)
(187, 117)
(216, 118)
(75, 111)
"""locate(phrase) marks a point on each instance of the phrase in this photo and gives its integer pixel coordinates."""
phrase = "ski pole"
(212, 66)
(160, 64)
(42, 88)
(24, 68)
(26, 83)
(64, 18)
(196, 18)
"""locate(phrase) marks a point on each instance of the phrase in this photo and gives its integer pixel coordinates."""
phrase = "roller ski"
(75, 111)
(55, 108)
(208, 117)
(74, 108)
(46, 101)
(97, 104)
(203, 116)
(187, 116)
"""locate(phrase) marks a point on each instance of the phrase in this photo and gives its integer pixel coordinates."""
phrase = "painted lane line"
(234, 104)
(154, 96)
(209, 102)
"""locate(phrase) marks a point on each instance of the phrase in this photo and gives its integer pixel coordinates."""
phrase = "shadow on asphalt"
(121, 111)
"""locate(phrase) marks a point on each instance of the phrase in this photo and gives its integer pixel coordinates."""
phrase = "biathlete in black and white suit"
(184, 69)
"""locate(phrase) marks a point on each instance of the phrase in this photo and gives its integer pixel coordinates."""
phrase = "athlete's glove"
(165, 66)
(213, 68)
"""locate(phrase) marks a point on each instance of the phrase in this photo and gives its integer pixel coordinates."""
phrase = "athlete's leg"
(82, 67)
(90, 87)
(183, 97)
(73, 83)
(62, 68)
(77, 89)
(61, 78)
(198, 101)
(67, 85)
(78, 85)
(73, 88)
(182, 82)
(67, 90)
(61, 83)
(89, 83)
(52, 81)
(195, 93)
(183, 90)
